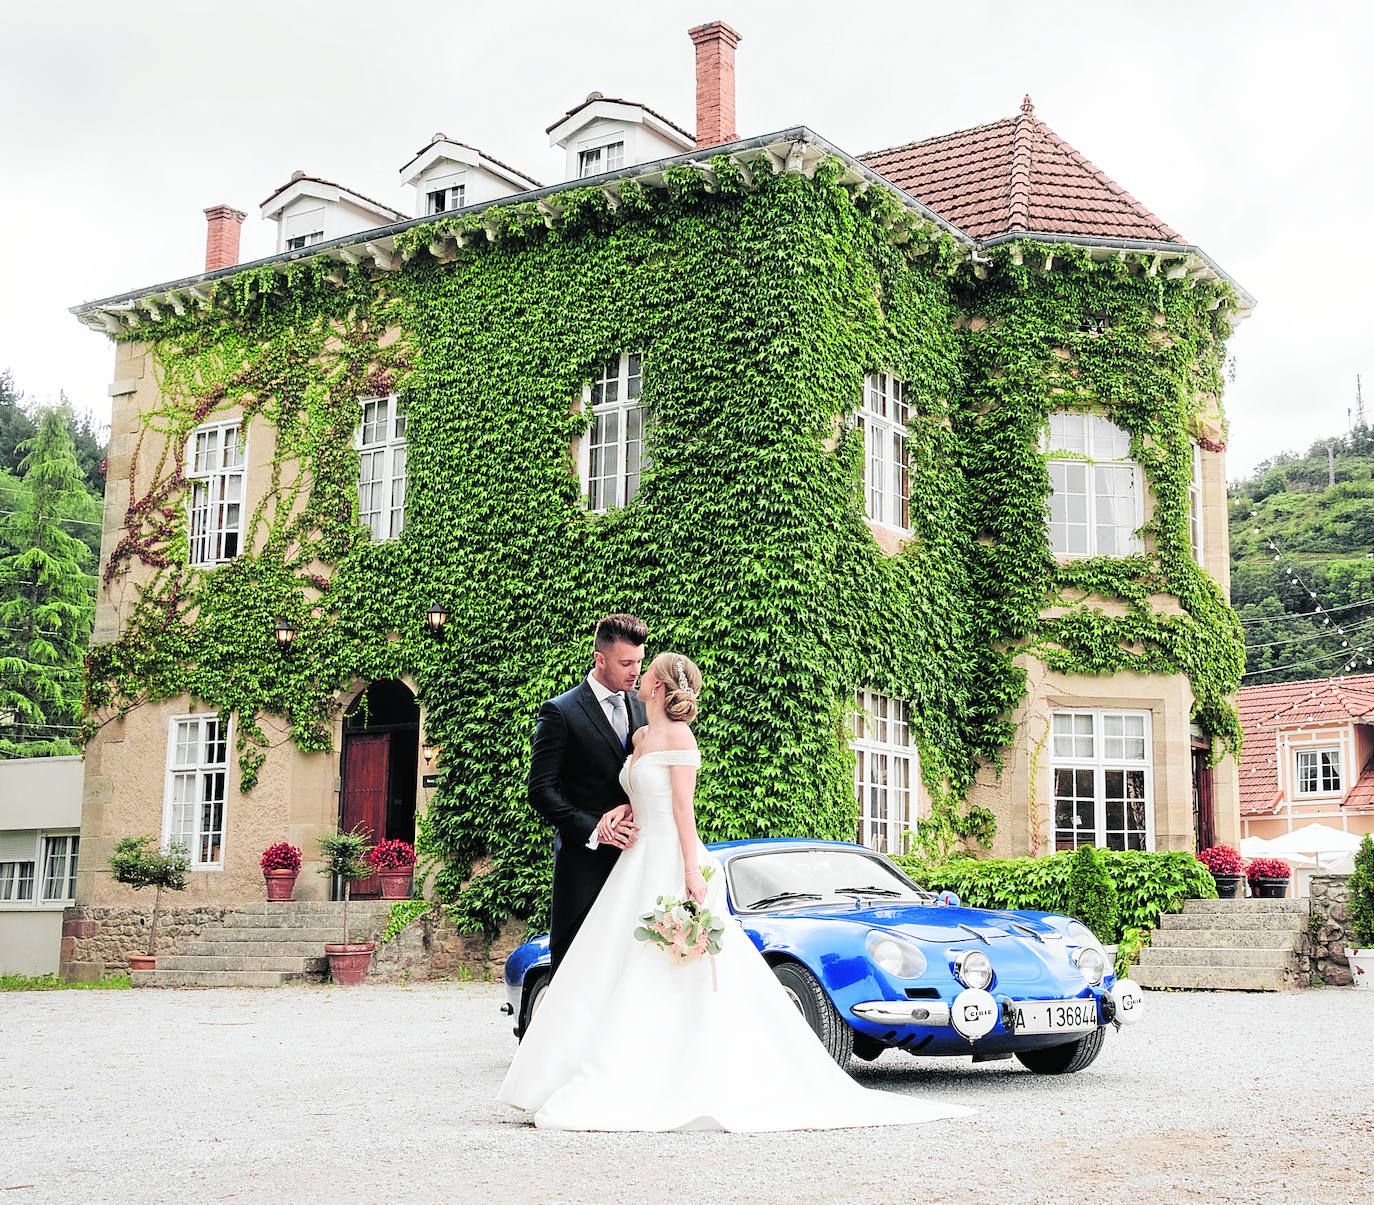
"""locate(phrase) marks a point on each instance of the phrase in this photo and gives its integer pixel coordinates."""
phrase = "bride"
(630, 1038)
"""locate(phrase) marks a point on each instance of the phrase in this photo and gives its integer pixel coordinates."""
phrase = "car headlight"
(898, 958)
(973, 968)
(1092, 962)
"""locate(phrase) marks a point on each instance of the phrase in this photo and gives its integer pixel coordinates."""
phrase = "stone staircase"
(1243, 945)
(266, 945)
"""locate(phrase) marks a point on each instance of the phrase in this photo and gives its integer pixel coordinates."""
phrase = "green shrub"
(1128, 951)
(1362, 895)
(137, 863)
(1092, 894)
(1147, 884)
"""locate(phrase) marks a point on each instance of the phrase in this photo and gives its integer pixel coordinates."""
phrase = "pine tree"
(47, 599)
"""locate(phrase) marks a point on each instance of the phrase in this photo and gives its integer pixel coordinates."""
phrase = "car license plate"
(1055, 1016)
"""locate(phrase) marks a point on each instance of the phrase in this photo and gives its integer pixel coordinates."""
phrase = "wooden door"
(1204, 816)
(366, 772)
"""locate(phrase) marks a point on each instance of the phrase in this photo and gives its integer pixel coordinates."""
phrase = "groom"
(580, 743)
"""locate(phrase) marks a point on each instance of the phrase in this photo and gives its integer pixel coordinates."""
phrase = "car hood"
(929, 922)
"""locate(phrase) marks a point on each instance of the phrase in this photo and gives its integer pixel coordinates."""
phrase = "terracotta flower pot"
(142, 962)
(348, 962)
(395, 883)
(1269, 889)
(281, 884)
(1228, 885)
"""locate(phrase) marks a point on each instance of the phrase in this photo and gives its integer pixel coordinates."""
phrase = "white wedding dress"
(630, 1038)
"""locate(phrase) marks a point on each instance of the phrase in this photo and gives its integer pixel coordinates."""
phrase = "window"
(885, 766)
(1100, 763)
(197, 771)
(600, 159)
(1319, 772)
(16, 880)
(301, 241)
(1195, 505)
(614, 455)
(882, 420)
(59, 867)
(440, 199)
(216, 475)
(382, 467)
(1095, 506)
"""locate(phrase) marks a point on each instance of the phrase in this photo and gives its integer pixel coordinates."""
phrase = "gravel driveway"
(387, 1094)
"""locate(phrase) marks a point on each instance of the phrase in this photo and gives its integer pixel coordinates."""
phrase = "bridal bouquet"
(683, 928)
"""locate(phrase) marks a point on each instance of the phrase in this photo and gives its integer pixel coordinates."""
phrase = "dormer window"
(600, 159)
(302, 241)
(310, 210)
(439, 200)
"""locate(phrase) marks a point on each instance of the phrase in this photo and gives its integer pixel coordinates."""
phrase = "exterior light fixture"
(285, 632)
(436, 617)
(429, 751)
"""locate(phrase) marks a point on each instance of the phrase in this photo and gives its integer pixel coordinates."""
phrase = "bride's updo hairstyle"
(682, 684)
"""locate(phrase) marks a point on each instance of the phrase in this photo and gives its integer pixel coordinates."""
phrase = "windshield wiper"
(865, 891)
(782, 896)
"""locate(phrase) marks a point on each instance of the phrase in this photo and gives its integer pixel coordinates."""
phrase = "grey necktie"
(618, 719)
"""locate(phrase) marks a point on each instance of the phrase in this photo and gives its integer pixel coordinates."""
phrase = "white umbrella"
(1320, 842)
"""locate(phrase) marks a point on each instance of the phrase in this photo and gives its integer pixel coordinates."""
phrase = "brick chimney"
(715, 43)
(222, 237)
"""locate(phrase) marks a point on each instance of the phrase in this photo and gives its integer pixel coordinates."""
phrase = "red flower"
(281, 856)
(1268, 868)
(391, 855)
(1222, 859)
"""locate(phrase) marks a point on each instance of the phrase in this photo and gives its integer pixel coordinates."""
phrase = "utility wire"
(1343, 653)
(1248, 619)
(1361, 626)
(55, 519)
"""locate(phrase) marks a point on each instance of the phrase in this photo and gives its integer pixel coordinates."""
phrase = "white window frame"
(451, 196)
(217, 484)
(1197, 533)
(37, 853)
(613, 453)
(200, 771)
(605, 156)
(382, 496)
(1095, 757)
(299, 242)
(1100, 466)
(882, 421)
(887, 769)
(1319, 752)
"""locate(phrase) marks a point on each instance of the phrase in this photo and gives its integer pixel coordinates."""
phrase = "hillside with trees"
(1302, 561)
(51, 491)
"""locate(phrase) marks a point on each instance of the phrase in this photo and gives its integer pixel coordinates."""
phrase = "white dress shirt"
(604, 696)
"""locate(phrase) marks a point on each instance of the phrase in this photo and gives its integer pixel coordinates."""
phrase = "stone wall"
(433, 949)
(1321, 950)
(97, 941)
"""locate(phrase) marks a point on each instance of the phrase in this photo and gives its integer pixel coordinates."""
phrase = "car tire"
(534, 996)
(1065, 1059)
(814, 1005)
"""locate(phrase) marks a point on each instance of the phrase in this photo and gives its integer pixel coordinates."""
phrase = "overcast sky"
(1245, 126)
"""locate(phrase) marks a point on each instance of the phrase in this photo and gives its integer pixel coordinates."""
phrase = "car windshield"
(797, 877)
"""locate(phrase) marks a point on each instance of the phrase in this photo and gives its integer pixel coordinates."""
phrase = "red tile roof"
(514, 171)
(1016, 175)
(297, 177)
(1265, 710)
(617, 100)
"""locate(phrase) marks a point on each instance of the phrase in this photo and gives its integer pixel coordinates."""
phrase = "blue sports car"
(872, 961)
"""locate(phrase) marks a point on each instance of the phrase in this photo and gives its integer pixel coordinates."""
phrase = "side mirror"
(949, 899)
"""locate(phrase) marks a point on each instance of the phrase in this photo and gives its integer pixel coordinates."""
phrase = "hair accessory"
(682, 678)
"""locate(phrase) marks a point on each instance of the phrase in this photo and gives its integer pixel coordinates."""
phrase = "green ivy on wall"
(758, 309)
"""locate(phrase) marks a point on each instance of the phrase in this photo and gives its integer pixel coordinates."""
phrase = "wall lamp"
(285, 632)
(436, 617)
(429, 751)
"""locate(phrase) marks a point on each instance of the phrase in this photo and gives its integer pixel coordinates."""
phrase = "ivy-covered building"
(919, 454)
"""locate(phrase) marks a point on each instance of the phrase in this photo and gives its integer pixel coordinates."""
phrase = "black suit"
(574, 781)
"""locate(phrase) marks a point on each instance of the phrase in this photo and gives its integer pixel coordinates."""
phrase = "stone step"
(160, 978)
(252, 949)
(316, 965)
(1244, 979)
(312, 918)
(293, 934)
(1247, 907)
(1214, 956)
(1195, 939)
(272, 908)
(1286, 922)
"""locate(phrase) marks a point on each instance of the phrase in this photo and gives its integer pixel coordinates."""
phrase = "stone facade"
(97, 941)
(1321, 950)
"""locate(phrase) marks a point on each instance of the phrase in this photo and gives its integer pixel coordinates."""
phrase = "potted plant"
(344, 857)
(1268, 878)
(281, 864)
(394, 864)
(137, 863)
(1227, 868)
(1361, 916)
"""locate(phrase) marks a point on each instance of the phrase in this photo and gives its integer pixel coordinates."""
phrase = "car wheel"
(1066, 1059)
(814, 1005)
(534, 997)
